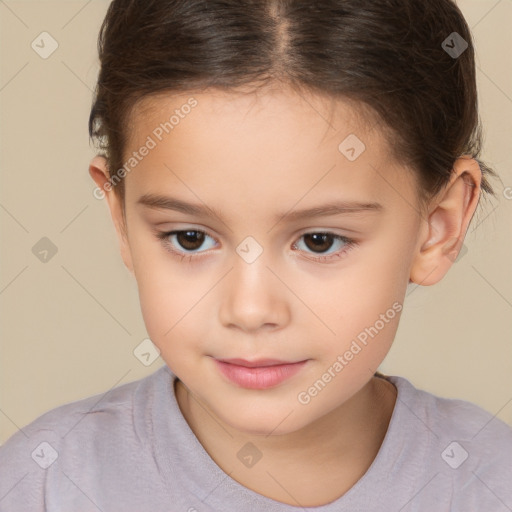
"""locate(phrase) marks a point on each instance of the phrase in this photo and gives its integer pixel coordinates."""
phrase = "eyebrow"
(334, 208)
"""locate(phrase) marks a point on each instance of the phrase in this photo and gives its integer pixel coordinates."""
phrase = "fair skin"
(251, 157)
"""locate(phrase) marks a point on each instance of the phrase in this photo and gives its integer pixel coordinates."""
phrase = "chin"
(261, 423)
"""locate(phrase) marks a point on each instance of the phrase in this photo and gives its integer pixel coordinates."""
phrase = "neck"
(331, 454)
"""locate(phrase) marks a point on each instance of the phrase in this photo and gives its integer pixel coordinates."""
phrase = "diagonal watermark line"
(273, 430)
(326, 121)
(495, 84)
(311, 188)
(285, 490)
(407, 503)
(504, 298)
(96, 300)
(77, 13)
(100, 399)
(76, 76)
(17, 483)
(400, 195)
(74, 218)
(227, 475)
(81, 490)
(14, 218)
(13, 422)
(215, 284)
(14, 76)
(488, 215)
(492, 418)
(14, 14)
(412, 412)
(13, 279)
(301, 300)
(486, 14)
(491, 490)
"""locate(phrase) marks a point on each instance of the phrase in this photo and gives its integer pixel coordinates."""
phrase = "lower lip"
(262, 377)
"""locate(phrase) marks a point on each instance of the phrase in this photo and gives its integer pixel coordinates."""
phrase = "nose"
(253, 298)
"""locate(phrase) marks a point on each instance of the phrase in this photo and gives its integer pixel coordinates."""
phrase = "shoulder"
(460, 417)
(449, 410)
(91, 429)
(108, 406)
(466, 443)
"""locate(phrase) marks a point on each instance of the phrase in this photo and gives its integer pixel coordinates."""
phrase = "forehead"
(266, 142)
(268, 105)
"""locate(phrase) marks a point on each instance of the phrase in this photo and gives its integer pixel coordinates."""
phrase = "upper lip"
(256, 363)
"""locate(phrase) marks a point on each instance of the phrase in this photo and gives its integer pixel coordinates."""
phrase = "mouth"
(257, 363)
(258, 374)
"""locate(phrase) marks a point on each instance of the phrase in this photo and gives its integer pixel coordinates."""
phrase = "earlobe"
(447, 223)
(98, 169)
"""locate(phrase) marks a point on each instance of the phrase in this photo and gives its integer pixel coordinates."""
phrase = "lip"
(260, 374)
(257, 363)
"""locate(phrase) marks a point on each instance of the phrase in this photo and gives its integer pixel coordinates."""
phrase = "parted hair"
(386, 56)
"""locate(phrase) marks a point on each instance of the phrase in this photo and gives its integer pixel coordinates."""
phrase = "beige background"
(69, 326)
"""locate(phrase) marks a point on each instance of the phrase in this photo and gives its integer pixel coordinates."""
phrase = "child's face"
(254, 159)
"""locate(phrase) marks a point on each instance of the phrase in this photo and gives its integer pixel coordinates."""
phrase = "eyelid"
(179, 229)
(349, 242)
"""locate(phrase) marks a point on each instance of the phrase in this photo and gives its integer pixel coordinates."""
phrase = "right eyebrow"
(199, 210)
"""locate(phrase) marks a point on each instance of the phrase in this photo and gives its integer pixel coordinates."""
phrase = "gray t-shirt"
(131, 450)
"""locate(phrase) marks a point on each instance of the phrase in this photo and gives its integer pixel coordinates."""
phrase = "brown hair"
(385, 55)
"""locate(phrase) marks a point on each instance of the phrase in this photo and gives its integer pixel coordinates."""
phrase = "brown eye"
(189, 244)
(318, 241)
(190, 240)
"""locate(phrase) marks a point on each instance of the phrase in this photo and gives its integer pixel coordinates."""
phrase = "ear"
(98, 170)
(448, 220)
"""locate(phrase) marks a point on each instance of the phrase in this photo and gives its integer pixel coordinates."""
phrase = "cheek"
(365, 305)
(172, 323)
(168, 297)
(344, 303)
(384, 268)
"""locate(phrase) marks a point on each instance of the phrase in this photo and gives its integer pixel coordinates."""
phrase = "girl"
(278, 173)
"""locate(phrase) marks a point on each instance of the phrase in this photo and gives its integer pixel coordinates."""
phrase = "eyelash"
(163, 236)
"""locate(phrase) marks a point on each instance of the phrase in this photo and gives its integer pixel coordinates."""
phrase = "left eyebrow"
(199, 210)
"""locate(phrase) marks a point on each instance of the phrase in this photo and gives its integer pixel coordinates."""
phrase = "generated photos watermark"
(357, 345)
(157, 135)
